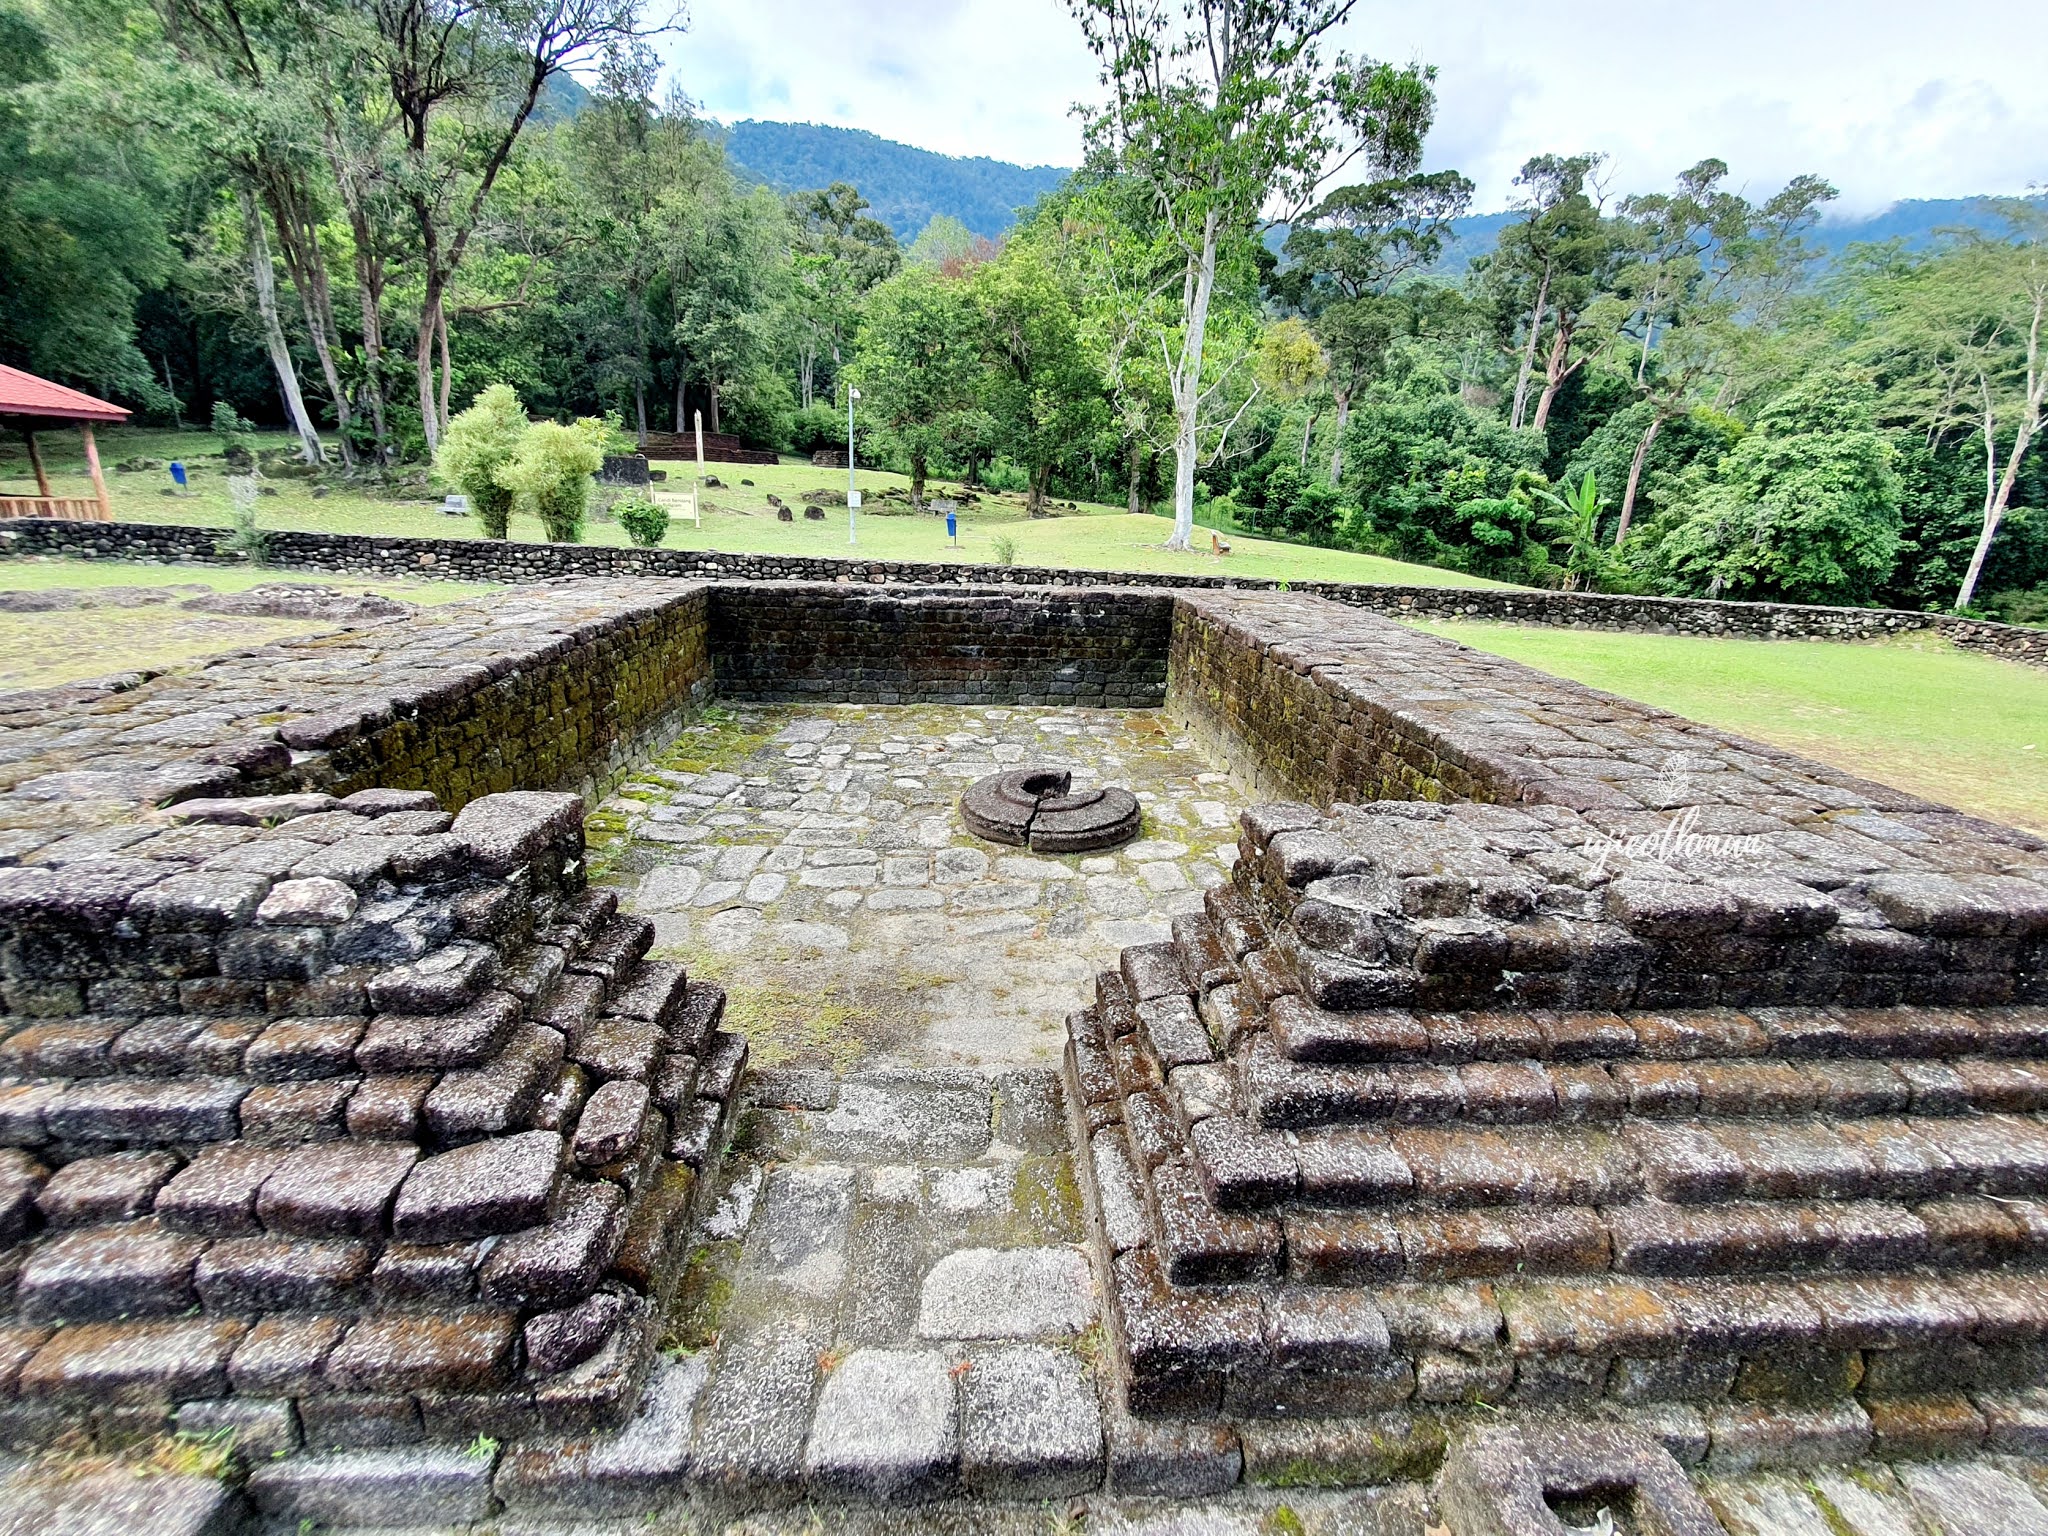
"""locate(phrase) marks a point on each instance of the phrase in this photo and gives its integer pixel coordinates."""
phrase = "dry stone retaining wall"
(487, 560)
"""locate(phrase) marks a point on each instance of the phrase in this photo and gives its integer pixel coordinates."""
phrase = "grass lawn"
(1970, 731)
(737, 518)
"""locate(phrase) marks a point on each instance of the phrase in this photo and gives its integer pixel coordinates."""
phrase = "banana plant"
(1575, 528)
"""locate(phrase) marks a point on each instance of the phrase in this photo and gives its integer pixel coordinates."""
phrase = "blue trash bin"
(178, 474)
(953, 527)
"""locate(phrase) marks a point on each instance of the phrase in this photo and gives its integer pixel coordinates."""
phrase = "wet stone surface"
(814, 863)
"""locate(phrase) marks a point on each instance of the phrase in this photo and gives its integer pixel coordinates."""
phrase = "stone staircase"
(384, 1130)
(1315, 1204)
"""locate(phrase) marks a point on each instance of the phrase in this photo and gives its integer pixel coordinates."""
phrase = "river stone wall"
(486, 560)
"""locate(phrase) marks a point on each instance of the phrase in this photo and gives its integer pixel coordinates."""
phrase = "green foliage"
(233, 432)
(644, 519)
(943, 242)
(549, 474)
(480, 443)
(1003, 549)
(817, 426)
(920, 354)
(1041, 392)
(1435, 479)
(1804, 509)
(1574, 527)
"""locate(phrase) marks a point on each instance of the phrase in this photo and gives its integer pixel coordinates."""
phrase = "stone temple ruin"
(1560, 1102)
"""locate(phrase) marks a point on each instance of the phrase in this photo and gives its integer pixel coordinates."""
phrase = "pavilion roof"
(23, 394)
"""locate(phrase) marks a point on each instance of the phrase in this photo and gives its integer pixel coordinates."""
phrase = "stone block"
(557, 1340)
(610, 1125)
(422, 1485)
(479, 1190)
(1031, 1427)
(1512, 1482)
(887, 1427)
(505, 831)
(1007, 1293)
(281, 1274)
(1166, 1458)
(215, 1194)
(457, 1351)
(117, 1186)
(436, 1042)
(134, 1362)
(559, 1262)
(284, 1356)
(618, 1474)
(135, 1269)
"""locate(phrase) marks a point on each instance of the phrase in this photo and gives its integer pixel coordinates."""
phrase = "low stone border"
(492, 560)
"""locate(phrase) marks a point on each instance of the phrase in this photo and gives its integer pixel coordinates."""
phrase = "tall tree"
(1723, 270)
(464, 78)
(1351, 251)
(1963, 335)
(840, 253)
(1042, 391)
(1227, 110)
(919, 355)
(1546, 268)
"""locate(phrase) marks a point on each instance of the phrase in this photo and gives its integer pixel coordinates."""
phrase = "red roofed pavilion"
(33, 404)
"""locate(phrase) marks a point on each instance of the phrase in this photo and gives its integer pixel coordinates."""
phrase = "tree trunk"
(1187, 386)
(447, 369)
(713, 387)
(917, 482)
(1343, 420)
(265, 280)
(423, 365)
(1529, 349)
(1034, 502)
(1635, 477)
(681, 425)
(1307, 432)
(1554, 372)
(298, 241)
(640, 408)
(1995, 502)
(369, 291)
(1135, 503)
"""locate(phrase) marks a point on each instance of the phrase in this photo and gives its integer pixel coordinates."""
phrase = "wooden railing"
(80, 508)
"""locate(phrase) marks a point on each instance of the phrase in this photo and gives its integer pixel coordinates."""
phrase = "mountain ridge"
(905, 185)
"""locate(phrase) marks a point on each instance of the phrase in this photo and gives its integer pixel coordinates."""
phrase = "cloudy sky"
(1885, 98)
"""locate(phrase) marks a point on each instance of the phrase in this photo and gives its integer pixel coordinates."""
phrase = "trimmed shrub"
(550, 474)
(645, 520)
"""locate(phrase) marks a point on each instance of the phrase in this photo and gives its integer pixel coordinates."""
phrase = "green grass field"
(1970, 731)
(737, 517)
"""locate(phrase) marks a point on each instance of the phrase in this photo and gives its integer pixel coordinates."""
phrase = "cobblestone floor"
(813, 863)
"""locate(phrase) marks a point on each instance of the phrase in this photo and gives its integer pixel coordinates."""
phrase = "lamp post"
(852, 495)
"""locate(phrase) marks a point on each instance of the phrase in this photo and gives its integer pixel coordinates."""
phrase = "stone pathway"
(813, 863)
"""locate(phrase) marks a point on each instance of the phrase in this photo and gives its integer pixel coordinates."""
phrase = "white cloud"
(1883, 97)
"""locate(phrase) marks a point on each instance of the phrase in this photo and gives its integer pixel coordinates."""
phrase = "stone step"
(1691, 1162)
(1303, 1032)
(1284, 1094)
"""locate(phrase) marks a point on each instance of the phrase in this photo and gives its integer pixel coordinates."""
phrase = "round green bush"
(645, 520)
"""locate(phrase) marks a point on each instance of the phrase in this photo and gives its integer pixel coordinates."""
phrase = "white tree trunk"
(1529, 350)
(1996, 501)
(1337, 452)
(265, 279)
(1187, 389)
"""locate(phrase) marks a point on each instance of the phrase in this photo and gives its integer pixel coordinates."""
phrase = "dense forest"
(354, 216)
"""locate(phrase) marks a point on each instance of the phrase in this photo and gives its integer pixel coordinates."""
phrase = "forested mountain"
(906, 187)
(1916, 221)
